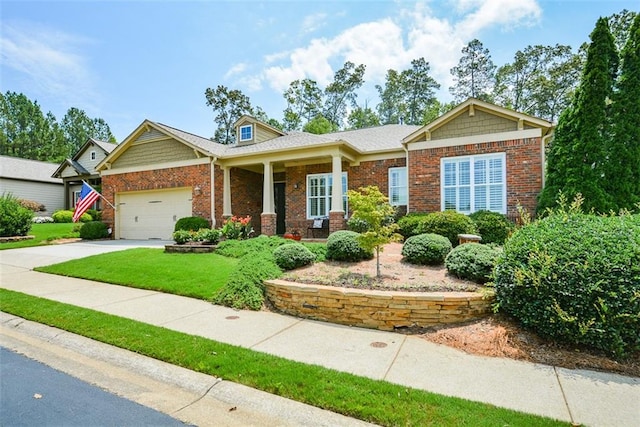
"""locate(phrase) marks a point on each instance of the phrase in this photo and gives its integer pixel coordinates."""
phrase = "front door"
(278, 196)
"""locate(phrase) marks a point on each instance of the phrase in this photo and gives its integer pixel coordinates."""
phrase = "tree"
(362, 117)
(229, 106)
(304, 102)
(77, 128)
(372, 207)
(262, 115)
(578, 154)
(407, 96)
(623, 166)
(540, 81)
(620, 25)
(26, 132)
(342, 92)
(475, 73)
(319, 125)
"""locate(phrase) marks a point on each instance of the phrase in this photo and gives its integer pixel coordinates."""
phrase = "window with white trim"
(398, 186)
(93, 155)
(474, 183)
(246, 133)
(319, 190)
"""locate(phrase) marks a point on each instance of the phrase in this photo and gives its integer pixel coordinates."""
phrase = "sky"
(127, 61)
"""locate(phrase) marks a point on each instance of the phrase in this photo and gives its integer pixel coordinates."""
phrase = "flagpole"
(101, 196)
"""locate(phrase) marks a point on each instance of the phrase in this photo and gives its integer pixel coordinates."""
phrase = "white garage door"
(151, 214)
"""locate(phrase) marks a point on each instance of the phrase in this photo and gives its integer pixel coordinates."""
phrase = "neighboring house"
(82, 167)
(476, 156)
(31, 180)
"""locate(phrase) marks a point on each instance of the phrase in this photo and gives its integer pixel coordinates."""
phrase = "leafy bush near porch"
(575, 278)
(409, 225)
(191, 223)
(294, 255)
(343, 245)
(15, 220)
(94, 230)
(426, 249)
(492, 226)
(448, 224)
(473, 261)
(64, 216)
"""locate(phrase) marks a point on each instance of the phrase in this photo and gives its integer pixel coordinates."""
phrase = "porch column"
(268, 216)
(226, 193)
(336, 214)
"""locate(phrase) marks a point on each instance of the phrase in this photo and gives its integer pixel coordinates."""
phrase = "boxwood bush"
(343, 245)
(94, 230)
(191, 223)
(15, 220)
(448, 224)
(409, 225)
(473, 261)
(494, 227)
(575, 278)
(294, 255)
(426, 249)
(67, 216)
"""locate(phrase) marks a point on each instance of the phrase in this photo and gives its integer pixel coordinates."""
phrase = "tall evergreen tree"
(475, 73)
(342, 92)
(578, 153)
(623, 166)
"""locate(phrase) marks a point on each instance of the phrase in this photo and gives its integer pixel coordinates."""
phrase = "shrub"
(245, 288)
(357, 224)
(191, 223)
(343, 245)
(32, 205)
(575, 278)
(426, 249)
(448, 224)
(209, 236)
(473, 261)
(15, 220)
(291, 256)
(42, 219)
(409, 224)
(67, 216)
(94, 230)
(182, 236)
(240, 248)
(95, 214)
(492, 226)
(318, 249)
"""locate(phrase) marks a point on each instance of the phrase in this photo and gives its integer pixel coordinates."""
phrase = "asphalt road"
(32, 393)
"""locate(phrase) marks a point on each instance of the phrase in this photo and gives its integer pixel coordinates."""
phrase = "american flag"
(88, 197)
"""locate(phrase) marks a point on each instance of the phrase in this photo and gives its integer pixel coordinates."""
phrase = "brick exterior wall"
(246, 196)
(385, 310)
(188, 176)
(523, 171)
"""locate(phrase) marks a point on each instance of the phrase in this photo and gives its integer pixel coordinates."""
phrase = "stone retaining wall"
(385, 310)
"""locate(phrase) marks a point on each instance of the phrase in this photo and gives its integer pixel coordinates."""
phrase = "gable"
(479, 123)
(153, 147)
(260, 131)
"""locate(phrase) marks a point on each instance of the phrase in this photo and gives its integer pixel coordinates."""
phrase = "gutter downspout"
(406, 150)
(543, 155)
(213, 192)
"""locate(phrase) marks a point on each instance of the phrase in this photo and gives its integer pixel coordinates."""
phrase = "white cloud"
(312, 23)
(50, 61)
(236, 69)
(391, 43)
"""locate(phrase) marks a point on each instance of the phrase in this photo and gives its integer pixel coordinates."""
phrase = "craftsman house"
(82, 167)
(476, 156)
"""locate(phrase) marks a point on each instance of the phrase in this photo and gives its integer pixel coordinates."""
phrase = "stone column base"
(337, 221)
(268, 224)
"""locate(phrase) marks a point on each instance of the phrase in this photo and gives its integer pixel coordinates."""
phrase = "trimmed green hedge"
(94, 230)
(343, 245)
(191, 223)
(493, 227)
(293, 255)
(426, 249)
(473, 261)
(575, 278)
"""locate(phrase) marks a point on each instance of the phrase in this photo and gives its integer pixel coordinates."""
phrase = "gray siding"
(156, 152)
(478, 124)
(50, 195)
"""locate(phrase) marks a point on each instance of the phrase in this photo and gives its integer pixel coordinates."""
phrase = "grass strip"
(190, 275)
(366, 399)
(43, 234)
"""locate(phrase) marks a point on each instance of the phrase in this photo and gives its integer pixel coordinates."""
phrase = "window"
(319, 192)
(93, 155)
(246, 133)
(398, 186)
(474, 183)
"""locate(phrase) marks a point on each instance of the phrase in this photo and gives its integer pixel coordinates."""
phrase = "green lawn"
(191, 275)
(43, 233)
(375, 401)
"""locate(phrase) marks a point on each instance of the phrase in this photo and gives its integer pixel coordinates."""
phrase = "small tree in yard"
(372, 207)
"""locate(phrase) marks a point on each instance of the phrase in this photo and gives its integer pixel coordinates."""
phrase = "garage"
(143, 215)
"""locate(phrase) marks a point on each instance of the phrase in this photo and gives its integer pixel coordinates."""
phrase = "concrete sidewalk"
(578, 396)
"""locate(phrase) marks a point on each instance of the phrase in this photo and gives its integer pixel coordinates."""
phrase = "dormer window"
(246, 133)
(93, 155)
